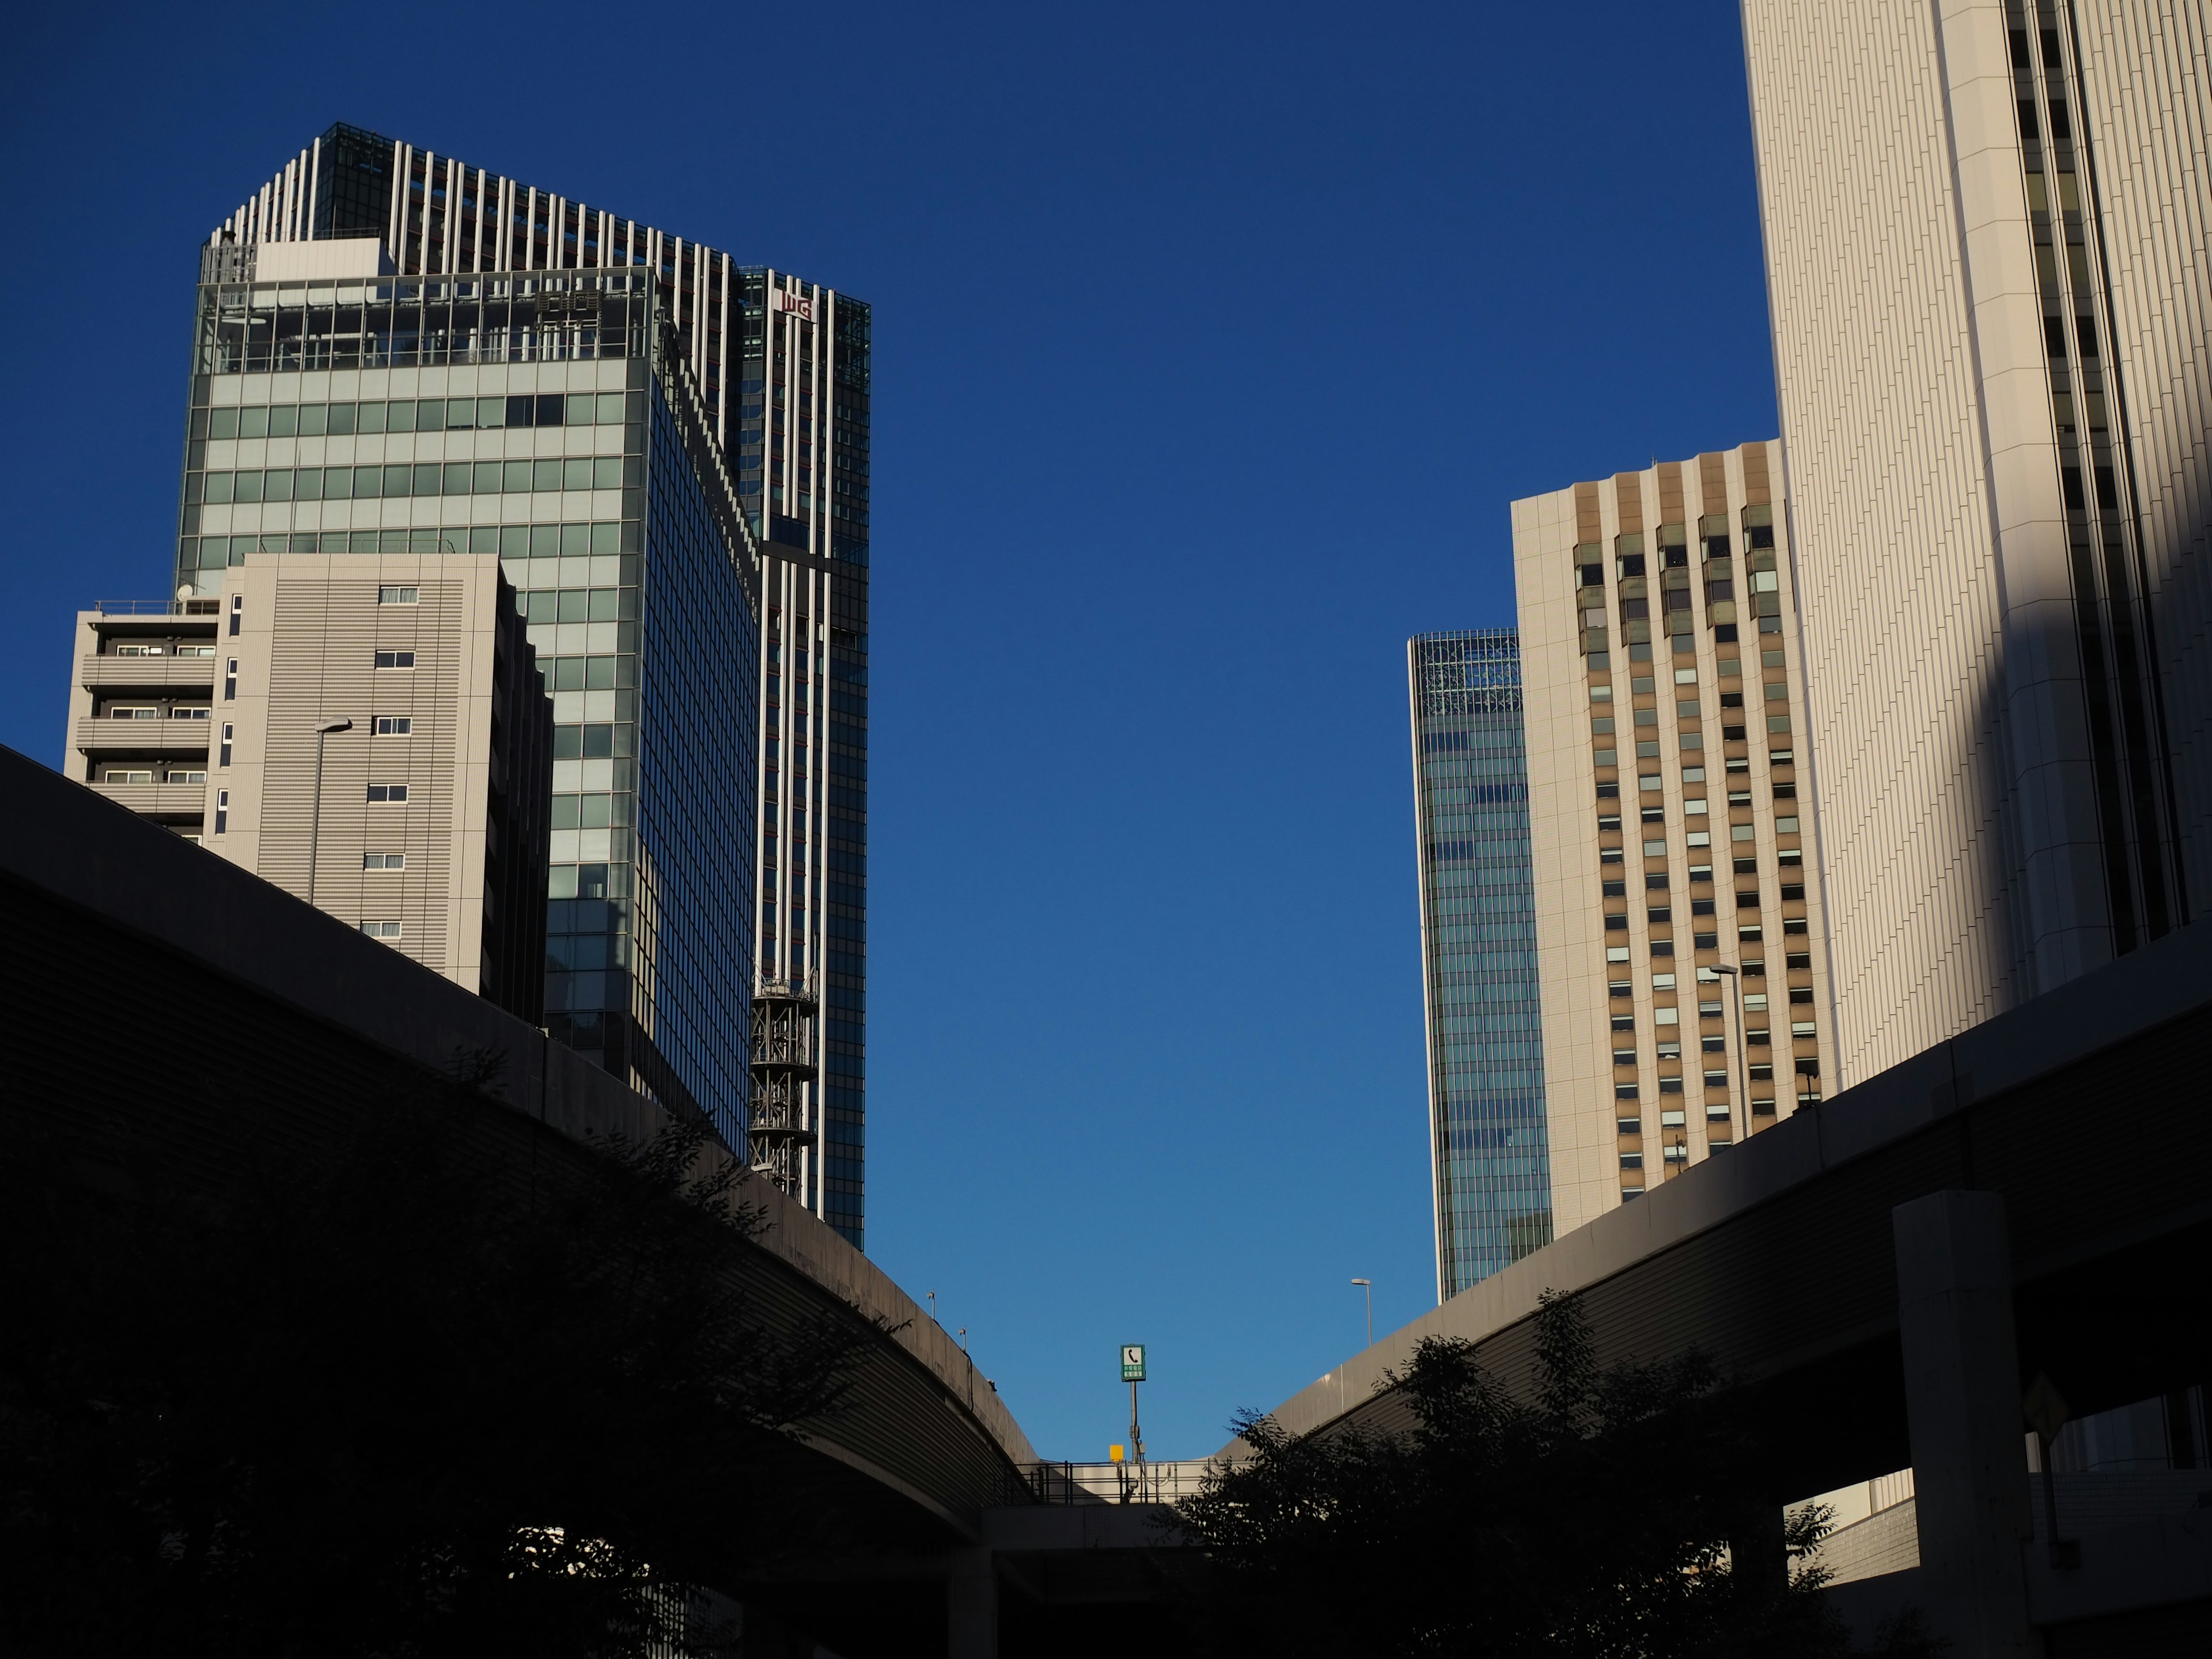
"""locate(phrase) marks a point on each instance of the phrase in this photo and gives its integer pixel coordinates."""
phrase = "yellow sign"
(1114, 1454)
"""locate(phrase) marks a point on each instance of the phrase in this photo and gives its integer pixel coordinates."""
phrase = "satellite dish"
(185, 592)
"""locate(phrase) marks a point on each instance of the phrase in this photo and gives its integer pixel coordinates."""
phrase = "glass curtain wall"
(1485, 1060)
(548, 418)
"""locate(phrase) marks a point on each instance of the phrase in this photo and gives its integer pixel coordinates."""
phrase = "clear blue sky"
(1210, 345)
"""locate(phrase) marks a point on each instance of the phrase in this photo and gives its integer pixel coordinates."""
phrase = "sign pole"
(1132, 1373)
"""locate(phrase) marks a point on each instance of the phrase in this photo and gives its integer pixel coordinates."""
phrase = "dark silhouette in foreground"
(1604, 1513)
(370, 1399)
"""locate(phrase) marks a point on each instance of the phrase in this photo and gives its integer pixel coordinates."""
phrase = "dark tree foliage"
(394, 1399)
(1613, 1513)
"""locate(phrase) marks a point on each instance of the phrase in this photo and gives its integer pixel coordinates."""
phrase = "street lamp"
(1367, 1286)
(315, 822)
(1743, 1057)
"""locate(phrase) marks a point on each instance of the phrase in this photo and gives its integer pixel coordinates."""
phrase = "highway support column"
(1962, 1406)
(971, 1606)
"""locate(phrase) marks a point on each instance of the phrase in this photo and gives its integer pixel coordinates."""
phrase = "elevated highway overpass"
(1886, 1273)
(171, 1004)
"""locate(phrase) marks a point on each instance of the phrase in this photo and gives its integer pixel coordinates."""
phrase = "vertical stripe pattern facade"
(1989, 294)
(783, 367)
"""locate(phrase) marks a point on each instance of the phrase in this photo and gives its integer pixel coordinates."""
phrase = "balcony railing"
(157, 607)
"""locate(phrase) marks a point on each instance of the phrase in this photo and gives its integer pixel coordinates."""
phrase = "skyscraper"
(783, 368)
(550, 422)
(1678, 935)
(1486, 1051)
(1985, 226)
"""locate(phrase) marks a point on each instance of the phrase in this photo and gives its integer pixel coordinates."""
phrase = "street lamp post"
(315, 822)
(1369, 1286)
(1743, 1057)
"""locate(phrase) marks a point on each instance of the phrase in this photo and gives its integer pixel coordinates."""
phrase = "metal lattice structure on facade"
(784, 1069)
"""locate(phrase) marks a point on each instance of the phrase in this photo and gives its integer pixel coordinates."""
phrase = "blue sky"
(1210, 345)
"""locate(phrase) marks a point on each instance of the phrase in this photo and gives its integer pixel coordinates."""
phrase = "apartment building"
(371, 734)
(1678, 926)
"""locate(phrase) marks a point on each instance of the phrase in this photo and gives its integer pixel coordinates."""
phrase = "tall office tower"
(1486, 1039)
(1678, 937)
(370, 733)
(784, 368)
(552, 421)
(1985, 226)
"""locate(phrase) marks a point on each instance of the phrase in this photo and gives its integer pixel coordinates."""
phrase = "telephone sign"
(1132, 1362)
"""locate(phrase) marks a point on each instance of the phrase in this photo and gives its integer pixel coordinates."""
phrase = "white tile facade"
(1966, 854)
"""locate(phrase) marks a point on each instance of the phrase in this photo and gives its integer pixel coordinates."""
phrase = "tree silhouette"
(390, 1398)
(1609, 1513)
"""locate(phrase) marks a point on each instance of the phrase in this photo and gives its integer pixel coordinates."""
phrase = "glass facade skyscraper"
(1486, 1047)
(551, 419)
(782, 368)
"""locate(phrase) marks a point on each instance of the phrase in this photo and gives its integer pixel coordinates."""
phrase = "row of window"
(540, 541)
(162, 650)
(404, 479)
(420, 414)
(152, 775)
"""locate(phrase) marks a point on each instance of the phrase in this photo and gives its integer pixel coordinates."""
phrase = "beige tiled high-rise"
(1664, 716)
(1986, 228)
(369, 732)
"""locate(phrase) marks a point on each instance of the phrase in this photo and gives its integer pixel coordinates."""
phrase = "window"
(398, 596)
(395, 726)
(230, 681)
(192, 712)
(121, 775)
(222, 811)
(187, 777)
(392, 793)
(132, 711)
(1629, 1125)
(383, 930)
(1631, 1160)
(237, 611)
(228, 732)
(137, 650)
(395, 660)
(384, 860)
